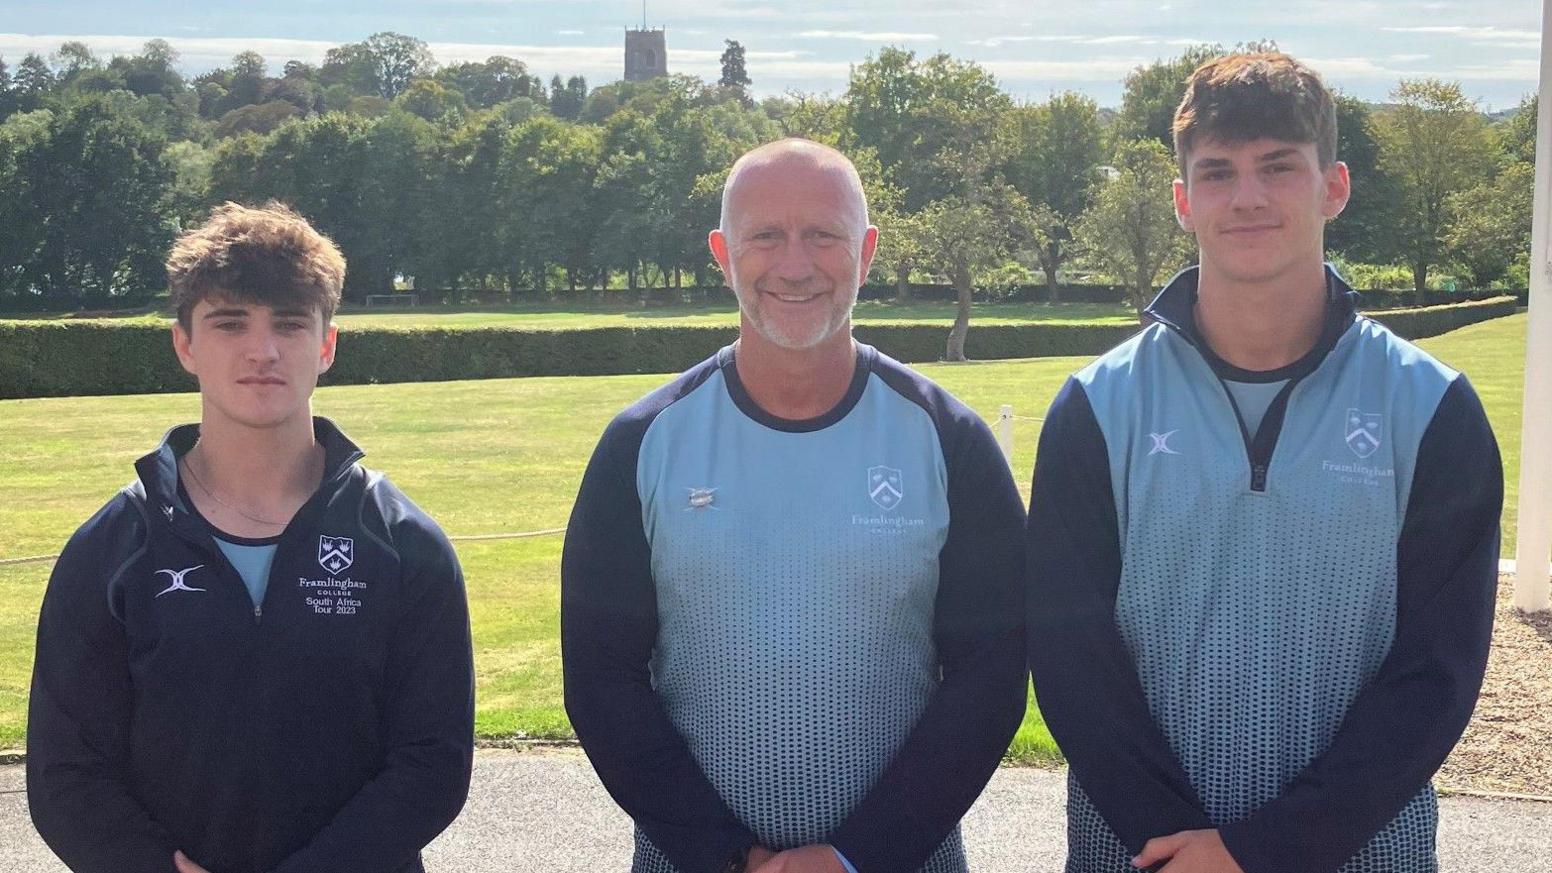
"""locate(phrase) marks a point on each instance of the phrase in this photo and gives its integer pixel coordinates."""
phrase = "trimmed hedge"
(58, 359)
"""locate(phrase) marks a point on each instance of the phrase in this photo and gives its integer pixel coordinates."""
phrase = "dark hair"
(269, 256)
(1240, 97)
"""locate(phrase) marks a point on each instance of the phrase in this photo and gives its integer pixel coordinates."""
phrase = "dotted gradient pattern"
(1255, 617)
(796, 578)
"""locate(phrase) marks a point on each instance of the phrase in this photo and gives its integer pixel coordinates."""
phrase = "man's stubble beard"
(838, 318)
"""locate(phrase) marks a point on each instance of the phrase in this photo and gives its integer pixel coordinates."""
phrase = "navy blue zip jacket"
(329, 728)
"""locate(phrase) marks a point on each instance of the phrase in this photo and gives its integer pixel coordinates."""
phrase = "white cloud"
(869, 36)
(1494, 36)
(1086, 70)
(569, 32)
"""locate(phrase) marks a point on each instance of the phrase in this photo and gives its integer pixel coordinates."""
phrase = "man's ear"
(1183, 207)
(330, 343)
(718, 242)
(869, 247)
(1339, 187)
(181, 340)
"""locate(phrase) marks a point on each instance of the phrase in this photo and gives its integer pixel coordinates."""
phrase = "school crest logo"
(1363, 431)
(885, 486)
(336, 553)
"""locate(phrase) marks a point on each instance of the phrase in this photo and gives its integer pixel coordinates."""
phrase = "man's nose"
(262, 345)
(795, 264)
(1249, 192)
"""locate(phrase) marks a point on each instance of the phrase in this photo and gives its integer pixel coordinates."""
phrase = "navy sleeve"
(78, 746)
(962, 734)
(1085, 680)
(608, 633)
(428, 722)
(1404, 722)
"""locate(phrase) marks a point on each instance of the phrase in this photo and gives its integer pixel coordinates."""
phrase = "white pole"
(1531, 590)
(1005, 428)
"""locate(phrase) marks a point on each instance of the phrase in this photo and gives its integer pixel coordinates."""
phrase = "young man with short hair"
(1263, 535)
(256, 656)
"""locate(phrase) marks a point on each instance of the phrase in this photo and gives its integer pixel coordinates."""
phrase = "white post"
(1005, 428)
(1531, 590)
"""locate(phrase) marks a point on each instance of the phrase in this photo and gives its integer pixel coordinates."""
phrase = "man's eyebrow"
(226, 313)
(1211, 163)
(1278, 155)
(293, 312)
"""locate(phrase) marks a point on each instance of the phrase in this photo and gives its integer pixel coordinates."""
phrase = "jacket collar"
(158, 471)
(1175, 308)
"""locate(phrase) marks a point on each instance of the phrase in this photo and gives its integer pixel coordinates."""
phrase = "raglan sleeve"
(1406, 719)
(79, 710)
(961, 736)
(608, 634)
(1085, 680)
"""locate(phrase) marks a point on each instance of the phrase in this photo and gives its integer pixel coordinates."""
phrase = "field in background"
(505, 456)
(569, 315)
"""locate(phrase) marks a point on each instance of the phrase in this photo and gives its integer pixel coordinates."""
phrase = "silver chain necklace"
(189, 468)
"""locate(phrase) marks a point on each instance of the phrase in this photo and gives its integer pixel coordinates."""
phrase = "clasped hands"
(817, 858)
(1200, 851)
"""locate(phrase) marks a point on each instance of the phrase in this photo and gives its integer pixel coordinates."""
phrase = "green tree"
(734, 76)
(567, 100)
(1433, 143)
(99, 186)
(1517, 133)
(1130, 230)
(33, 80)
(966, 234)
(930, 122)
(396, 60)
(1490, 224)
(432, 101)
(259, 118)
(485, 84)
(1151, 94)
(153, 71)
(1365, 229)
(1054, 161)
(74, 59)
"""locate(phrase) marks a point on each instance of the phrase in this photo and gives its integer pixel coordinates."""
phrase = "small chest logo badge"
(1363, 432)
(885, 486)
(336, 553)
(167, 511)
(701, 498)
(177, 580)
(1161, 443)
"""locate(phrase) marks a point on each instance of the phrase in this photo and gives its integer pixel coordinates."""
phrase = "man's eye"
(229, 325)
(292, 326)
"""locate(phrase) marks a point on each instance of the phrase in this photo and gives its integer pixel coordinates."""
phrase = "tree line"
(480, 176)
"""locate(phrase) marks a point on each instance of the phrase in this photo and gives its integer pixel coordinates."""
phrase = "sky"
(1034, 48)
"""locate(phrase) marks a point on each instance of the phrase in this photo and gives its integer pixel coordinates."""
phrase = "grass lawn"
(566, 315)
(496, 456)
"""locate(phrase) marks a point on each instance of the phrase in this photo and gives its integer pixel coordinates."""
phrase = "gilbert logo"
(885, 486)
(1161, 443)
(177, 580)
(336, 553)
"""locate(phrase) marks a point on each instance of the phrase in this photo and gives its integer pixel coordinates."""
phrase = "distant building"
(646, 54)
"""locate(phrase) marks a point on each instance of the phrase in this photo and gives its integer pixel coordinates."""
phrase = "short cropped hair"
(268, 256)
(1240, 97)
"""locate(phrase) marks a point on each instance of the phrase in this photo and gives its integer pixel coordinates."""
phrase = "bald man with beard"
(792, 591)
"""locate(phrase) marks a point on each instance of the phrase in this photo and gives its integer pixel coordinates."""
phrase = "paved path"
(544, 812)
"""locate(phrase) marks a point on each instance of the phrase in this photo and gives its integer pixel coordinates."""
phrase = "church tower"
(646, 54)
